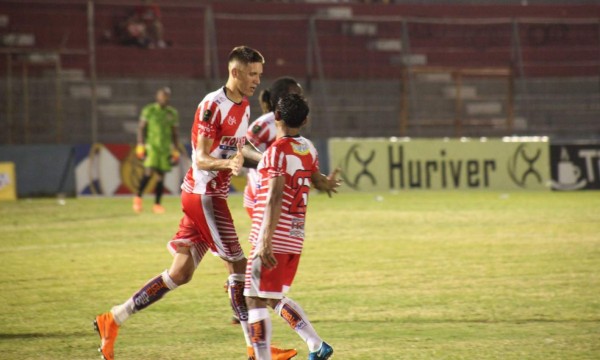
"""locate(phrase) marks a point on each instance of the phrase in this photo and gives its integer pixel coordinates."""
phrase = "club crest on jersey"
(231, 120)
(207, 115)
(256, 129)
(300, 148)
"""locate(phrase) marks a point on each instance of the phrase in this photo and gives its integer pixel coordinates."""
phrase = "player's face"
(162, 98)
(248, 78)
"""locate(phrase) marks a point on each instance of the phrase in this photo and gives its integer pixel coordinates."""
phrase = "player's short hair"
(280, 88)
(245, 55)
(166, 90)
(265, 97)
(292, 109)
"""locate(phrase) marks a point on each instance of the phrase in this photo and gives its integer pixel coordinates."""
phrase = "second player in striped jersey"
(262, 132)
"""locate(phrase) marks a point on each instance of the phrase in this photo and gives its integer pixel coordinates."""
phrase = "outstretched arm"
(329, 184)
(251, 154)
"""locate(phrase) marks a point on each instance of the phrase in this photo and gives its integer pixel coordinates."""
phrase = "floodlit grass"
(413, 275)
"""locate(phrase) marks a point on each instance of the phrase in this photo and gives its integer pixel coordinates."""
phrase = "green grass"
(418, 275)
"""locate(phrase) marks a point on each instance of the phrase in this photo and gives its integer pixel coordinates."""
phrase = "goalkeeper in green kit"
(157, 145)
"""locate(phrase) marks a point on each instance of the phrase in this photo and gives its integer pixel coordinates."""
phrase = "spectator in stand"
(148, 13)
(143, 28)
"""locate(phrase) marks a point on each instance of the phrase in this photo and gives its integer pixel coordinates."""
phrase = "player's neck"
(284, 131)
(233, 94)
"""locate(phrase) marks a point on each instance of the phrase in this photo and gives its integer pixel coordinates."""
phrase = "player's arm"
(206, 162)
(251, 154)
(140, 149)
(329, 184)
(271, 219)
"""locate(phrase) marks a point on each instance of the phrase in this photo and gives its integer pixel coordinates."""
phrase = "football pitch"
(412, 275)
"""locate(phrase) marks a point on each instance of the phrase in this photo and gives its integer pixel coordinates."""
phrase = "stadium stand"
(362, 51)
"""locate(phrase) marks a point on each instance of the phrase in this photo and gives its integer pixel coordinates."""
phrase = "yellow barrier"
(8, 186)
(438, 164)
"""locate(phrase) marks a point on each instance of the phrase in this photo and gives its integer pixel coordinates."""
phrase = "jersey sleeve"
(208, 119)
(145, 114)
(275, 162)
(258, 133)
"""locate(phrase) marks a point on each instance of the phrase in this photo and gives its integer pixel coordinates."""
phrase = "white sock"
(259, 323)
(293, 314)
(122, 312)
(235, 284)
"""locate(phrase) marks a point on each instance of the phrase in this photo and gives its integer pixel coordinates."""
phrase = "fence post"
(9, 99)
(93, 77)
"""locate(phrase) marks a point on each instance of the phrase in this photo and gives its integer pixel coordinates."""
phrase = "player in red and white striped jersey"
(286, 171)
(262, 132)
(218, 136)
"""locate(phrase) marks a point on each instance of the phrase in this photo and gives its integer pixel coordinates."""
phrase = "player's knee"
(237, 267)
(273, 303)
(181, 276)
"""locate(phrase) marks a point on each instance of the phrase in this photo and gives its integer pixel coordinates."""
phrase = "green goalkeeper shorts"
(157, 159)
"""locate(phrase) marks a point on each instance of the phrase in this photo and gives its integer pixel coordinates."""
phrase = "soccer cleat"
(158, 209)
(108, 329)
(137, 204)
(323, 353)
(276, 353)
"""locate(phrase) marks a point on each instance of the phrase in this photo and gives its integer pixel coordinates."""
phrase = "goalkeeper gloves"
(140, 151)
(175, 155)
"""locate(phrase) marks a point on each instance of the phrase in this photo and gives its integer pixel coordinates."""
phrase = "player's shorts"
(157, 158)
(274, 283)
(206, 225)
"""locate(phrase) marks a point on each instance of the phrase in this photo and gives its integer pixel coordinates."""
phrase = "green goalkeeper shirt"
(159, 131)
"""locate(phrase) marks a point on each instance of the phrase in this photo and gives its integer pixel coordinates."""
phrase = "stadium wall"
(511, 164)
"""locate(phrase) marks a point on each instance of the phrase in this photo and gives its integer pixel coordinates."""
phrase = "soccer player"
(157, 143)
(286, 172)
(262, 131)
(218, 132)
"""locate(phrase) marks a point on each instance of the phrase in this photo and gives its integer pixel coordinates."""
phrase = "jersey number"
(301, 187)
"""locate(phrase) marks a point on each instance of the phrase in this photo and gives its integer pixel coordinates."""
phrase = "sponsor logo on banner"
(379, 165)
(575, 167)
(521, 166)
(354, 157)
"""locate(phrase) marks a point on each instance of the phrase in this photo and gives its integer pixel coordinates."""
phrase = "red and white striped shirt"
(296, 159)
(261, 134)
(226, 123)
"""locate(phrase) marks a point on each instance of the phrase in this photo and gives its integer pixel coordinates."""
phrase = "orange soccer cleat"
(108, 329)
(158, 209)
(137, 204)
(276, 353)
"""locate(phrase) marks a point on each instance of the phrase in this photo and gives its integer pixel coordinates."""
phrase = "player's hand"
(236, 162)
(266, 256)
(175, 155)
(332, 182)
(140, 151)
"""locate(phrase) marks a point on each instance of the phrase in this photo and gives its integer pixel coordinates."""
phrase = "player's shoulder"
(150, 107)
(216, 97)
(265, 119)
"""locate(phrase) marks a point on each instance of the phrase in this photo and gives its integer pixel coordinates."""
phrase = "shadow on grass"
(465, 321)
(36, 335)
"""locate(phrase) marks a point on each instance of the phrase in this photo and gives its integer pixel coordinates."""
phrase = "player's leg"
(158, 191)
(259, 324)
(263, 286)
(108, 324)
(137, 200)
(292, 313)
